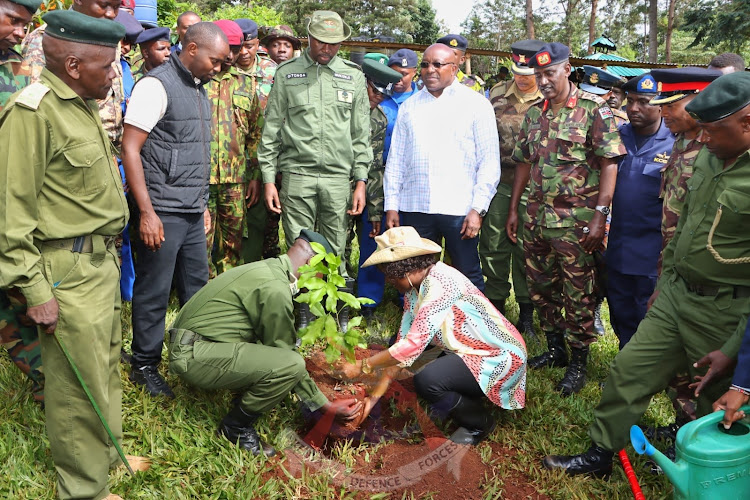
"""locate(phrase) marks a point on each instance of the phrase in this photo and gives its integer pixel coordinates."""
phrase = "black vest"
(176, 154)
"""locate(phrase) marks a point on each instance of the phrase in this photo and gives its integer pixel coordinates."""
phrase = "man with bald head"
(110, 105)
(184, 21)
(166, 155)
(63, 189)
(444, 163)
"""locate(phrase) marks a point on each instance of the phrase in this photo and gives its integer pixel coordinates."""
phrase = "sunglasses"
(434, 64)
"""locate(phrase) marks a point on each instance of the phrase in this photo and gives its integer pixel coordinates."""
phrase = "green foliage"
(264, 16)
(167, 11)
(326, 298)
(426, 29)
(717, 23)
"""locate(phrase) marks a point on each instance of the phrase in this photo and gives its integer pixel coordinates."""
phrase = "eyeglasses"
(434, 64)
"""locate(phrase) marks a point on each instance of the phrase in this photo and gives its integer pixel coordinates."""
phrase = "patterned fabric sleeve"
(426, 318)
(605, 139)
(522, 153)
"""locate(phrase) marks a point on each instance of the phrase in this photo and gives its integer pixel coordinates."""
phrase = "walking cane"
(96, 407)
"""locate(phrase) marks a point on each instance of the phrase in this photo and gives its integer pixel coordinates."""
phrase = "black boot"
(556, 355)
(598, 322)
(238, 428)
(596, 461)
(526, 321)
(474, 420)
(344, 313)
(575, 376)
(303, 319)
(151, 380)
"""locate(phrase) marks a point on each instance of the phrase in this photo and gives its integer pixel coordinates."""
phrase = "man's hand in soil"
(343, 409)
(351, 370)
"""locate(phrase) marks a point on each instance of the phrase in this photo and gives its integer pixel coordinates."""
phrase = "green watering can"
(712, 463)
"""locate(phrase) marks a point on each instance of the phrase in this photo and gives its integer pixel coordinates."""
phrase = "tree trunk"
(653, 28)
(529, 20)
(592, 25)
(670, 28)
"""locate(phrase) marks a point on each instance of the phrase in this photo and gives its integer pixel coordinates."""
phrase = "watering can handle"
(716, 417)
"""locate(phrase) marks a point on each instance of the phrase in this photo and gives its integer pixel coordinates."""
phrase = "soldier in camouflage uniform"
(510, 101)
(110, 108)
(459, 45)
(261, 233)
(677, 87)
(236, 124)
(569, 145)
(17, 334)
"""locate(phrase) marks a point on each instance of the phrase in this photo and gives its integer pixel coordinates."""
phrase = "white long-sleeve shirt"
(445, 155)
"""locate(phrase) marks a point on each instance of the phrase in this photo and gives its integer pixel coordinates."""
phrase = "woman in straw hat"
(485, 354)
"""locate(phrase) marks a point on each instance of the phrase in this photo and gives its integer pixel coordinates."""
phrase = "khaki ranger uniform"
(495, 248)
(702, 306)
(236, 124)
(65, 193)
(17, 335)
(318, 127)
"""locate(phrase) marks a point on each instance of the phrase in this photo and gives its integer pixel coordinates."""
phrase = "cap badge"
(522, 59)
(658, 87)
(594, 78)
(404, 62)
(453, 43)
(647, 84)
(543, 59)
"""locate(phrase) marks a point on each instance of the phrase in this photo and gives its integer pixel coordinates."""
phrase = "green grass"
(190, 462)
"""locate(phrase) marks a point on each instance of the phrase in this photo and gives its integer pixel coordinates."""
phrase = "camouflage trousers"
(21, 338)
(226, 204)
(561, 278)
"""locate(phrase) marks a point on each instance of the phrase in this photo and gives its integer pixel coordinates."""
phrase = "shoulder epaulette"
(32, 95)
(352, 64)
(592, 97)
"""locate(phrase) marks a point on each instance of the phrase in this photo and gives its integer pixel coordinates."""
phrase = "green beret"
(311, 236)
(31, 5)
(76, 27)
(723, 97)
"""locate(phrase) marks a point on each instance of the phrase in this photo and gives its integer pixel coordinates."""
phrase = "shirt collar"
(447, 91)
(572, 99)
(10, 55)
(334, 63)
(59, 87)
(513, 90)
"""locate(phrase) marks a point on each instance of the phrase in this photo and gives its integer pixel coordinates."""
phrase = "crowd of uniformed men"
(225, 133)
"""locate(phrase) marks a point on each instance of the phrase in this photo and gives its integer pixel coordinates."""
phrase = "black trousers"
(182, 256)
(448, 385)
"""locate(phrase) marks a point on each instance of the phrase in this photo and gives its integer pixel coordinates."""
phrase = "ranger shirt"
(60, 180)
(564, 151)
(250, 303)
(317, 121)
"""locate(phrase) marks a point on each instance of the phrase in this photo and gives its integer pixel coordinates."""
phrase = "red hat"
(127, 4)
(232, 30)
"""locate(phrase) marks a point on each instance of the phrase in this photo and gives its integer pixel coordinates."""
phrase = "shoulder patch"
(591, 97)
(32, 95)
(605, 112)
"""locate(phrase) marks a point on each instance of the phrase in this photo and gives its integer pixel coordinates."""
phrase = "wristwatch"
(366, 368)
(604, 209)
(481, 213)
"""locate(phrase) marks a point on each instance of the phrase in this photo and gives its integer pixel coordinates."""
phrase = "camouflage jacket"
(473, 81)
(110, 109)
(15, 74)
(564, 152)
(375, 196)
(621, 117)
(674, 178)
(510, 108)
(236, 123)
(262, 73)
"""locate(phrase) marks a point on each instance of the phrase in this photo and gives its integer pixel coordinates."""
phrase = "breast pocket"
(298, 93)
(89, 168)
(343, 98)
(242, 102)
(735, 217)
(571, 145)
(653, 170)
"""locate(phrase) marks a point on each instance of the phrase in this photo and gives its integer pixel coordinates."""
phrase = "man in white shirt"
(444, 162)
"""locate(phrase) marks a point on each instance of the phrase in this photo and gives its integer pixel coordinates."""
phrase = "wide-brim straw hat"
(399, 243)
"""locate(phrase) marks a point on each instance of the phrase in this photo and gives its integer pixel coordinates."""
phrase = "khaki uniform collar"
(513, 90)
(57, 86)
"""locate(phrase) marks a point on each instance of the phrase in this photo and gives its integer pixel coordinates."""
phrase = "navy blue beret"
(153, 34)
(249, 28)
(549, 55)
(404, 58)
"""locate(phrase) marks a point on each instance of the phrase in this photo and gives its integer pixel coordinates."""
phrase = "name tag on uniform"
(342, 76)
(605, 112)
(296, 75)
(345, 96)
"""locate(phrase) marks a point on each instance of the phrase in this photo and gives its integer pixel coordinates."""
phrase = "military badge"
(454, 43)
(404, 62)
(345, 96)
(661, 158)
(594, 78)
(647, 84)
(543, 59)
(605, 112)
(522, 59)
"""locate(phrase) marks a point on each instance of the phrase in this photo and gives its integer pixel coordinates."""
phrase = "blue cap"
(643, 84)
(153, 34)
(549, 55)
(599, 81)
(404, 58)
(454, 42)
(132, 27)
(249, 28)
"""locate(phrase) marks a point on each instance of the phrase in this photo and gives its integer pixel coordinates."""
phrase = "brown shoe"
(138, 464)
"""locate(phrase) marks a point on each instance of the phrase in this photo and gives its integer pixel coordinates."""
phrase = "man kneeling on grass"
(238, 333)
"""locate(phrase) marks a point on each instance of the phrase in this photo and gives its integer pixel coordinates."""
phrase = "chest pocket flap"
(298, 92)
(571, 144)
(90, 168)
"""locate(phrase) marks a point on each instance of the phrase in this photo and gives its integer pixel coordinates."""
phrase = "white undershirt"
(147, 105)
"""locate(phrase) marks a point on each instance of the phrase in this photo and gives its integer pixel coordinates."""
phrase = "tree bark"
(592, 25)
(653, 28)
(670, 29)
(529, 20)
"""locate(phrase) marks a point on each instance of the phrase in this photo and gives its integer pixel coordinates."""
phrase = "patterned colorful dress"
(451, 313)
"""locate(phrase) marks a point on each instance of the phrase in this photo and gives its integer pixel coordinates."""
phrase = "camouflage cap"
(328, 27)
(31, 5)
(76, 27)
(727, 95)
(281, 31)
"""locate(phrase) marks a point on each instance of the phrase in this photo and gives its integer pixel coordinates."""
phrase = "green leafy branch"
(326, 298)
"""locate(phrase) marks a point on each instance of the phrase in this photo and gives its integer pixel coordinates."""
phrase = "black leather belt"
(738, 292)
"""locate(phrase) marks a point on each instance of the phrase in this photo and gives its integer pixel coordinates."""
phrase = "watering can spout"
(677, 474)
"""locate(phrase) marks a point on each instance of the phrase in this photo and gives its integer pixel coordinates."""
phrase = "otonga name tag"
(345, 96)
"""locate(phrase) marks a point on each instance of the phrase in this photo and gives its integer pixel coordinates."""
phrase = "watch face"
(604, 210)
